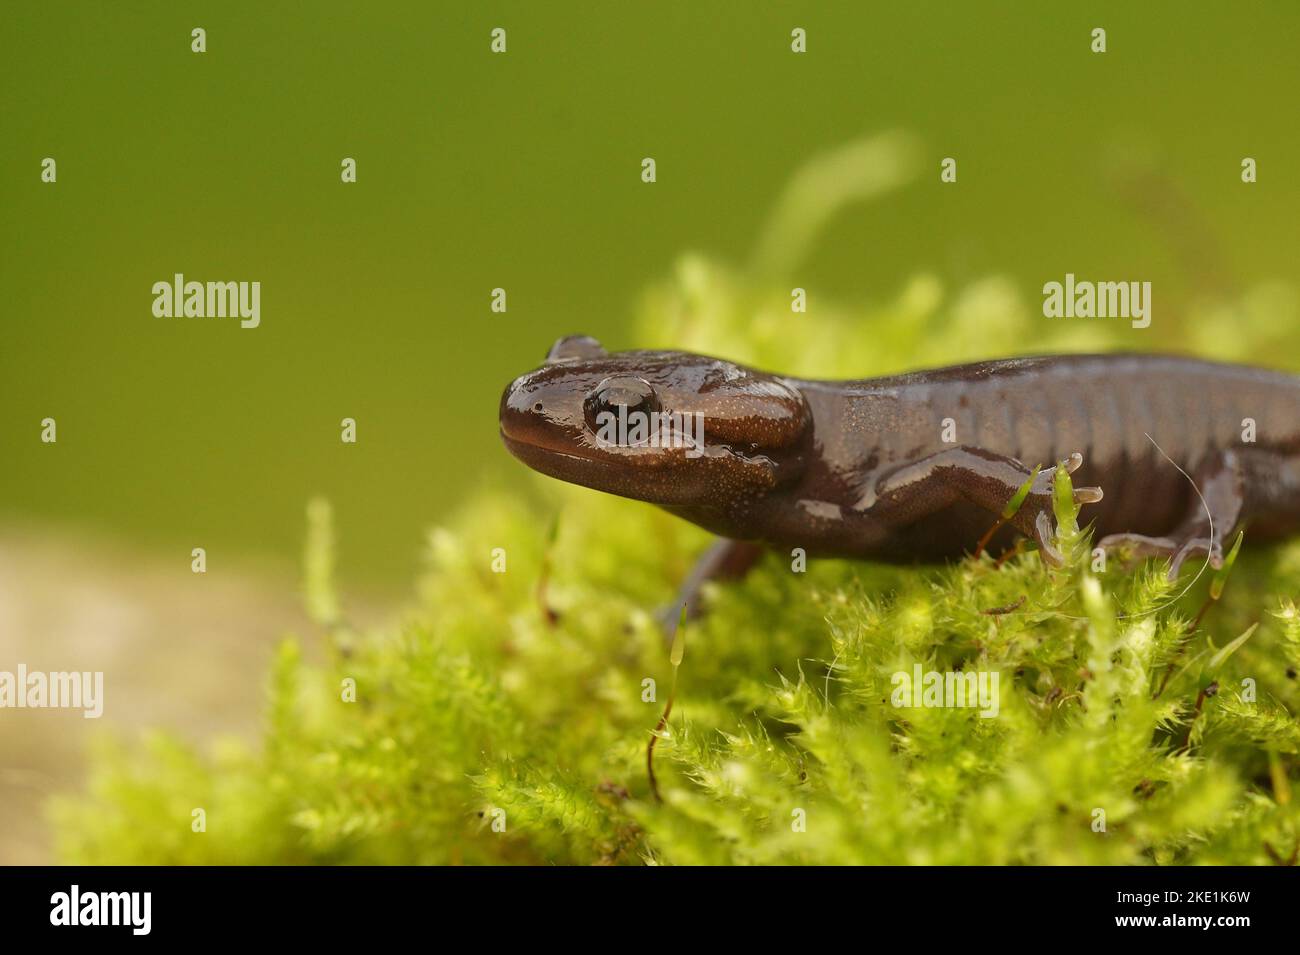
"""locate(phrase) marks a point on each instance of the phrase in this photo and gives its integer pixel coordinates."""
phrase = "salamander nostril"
(538, 406)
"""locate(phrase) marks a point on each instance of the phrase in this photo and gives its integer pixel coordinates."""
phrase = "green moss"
(477, 712)
(476, 703)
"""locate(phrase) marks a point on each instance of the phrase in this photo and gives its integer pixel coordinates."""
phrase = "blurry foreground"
(178, 650)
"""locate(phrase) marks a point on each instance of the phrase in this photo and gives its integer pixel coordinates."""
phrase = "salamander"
(1171, 454)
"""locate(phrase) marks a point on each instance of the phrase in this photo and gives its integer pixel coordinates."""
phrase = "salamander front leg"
(726, 559)
(1216, 511)
(989, 481)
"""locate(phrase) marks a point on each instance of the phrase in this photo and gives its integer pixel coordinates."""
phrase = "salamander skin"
(862, 468)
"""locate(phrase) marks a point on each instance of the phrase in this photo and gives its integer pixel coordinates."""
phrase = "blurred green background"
(522, 171)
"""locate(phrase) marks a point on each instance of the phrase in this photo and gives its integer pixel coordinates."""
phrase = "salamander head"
(665, 427)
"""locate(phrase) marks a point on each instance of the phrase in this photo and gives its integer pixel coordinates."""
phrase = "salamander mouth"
(610, 473)
(535, 455)
(534, 450)
(658, 475)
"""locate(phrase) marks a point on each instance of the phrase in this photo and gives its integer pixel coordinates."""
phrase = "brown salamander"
(919, 466)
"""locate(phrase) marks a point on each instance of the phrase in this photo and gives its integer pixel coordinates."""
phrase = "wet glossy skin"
(861, 468)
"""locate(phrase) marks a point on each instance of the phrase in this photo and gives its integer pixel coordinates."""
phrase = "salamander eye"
(613, 394)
